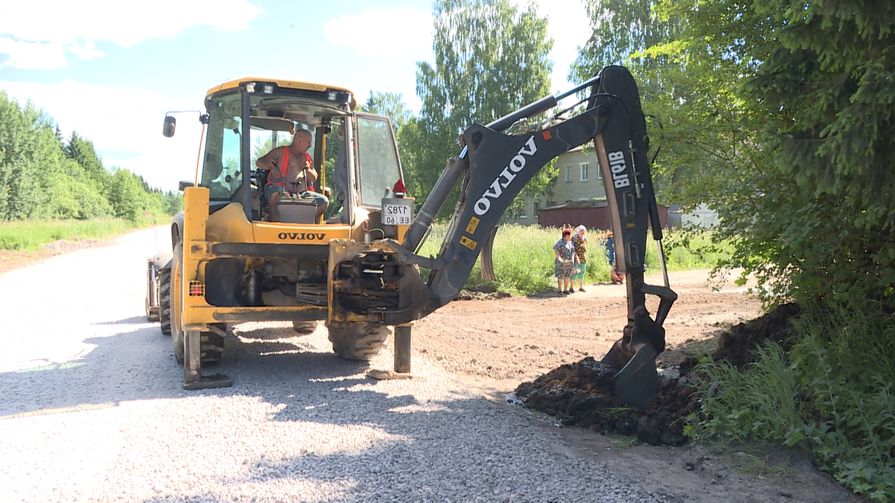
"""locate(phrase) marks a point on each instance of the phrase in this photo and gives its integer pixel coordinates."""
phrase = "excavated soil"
(580, 394)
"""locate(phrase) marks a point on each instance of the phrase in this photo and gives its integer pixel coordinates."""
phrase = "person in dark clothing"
(616, 278)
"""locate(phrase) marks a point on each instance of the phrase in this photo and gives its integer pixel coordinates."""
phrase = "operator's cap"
(580, 228)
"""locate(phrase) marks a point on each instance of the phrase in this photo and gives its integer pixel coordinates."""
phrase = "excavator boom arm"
(494, 167)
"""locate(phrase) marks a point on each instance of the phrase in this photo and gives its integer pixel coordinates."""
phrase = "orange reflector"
(197, 289)
(547, 134)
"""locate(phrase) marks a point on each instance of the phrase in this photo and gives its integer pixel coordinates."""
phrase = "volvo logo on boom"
(302, 236)
(503, 180)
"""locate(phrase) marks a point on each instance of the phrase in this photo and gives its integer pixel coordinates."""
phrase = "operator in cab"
(291, 173)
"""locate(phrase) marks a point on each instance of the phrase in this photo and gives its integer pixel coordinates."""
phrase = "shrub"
(832, 395)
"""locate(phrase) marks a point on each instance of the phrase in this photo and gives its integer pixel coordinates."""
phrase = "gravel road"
(91, 409)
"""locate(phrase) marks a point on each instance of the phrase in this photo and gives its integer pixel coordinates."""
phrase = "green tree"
(82, 151)
(620, 33)
(76, 195)
(30, 160)
(129, 198)
(814, 80)
(490, 58)
(694, 118)
(389, 104)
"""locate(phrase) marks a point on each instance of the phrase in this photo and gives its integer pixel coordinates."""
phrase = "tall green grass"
(28, 235)
(832, 395)
(523, 256)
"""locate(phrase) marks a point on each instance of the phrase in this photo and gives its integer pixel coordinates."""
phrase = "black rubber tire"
(211, 345)
(164, 299)
(304, 327)
(358, 342)
(177, 339)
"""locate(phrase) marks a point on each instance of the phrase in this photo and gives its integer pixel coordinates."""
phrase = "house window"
(599, 174)
(537, 208)
(584, 171)
(568, 174)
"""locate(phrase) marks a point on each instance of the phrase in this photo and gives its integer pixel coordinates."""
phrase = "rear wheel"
(211, 345)
(164, 299)
(304, 327)
(358, 342)
(152, 293)
(176, 304)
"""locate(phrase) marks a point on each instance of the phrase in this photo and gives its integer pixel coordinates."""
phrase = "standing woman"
(579, 240)
(565, 261)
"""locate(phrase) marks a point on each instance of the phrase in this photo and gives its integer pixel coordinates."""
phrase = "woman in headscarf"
(579, 240)
(564, 263)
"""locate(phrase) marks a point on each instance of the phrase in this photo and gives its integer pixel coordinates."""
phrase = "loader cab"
(354, 154)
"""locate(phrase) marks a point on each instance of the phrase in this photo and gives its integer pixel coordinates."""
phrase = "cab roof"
(290, 84)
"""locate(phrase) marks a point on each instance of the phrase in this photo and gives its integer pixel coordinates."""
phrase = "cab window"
(221, 170)
(377, 159)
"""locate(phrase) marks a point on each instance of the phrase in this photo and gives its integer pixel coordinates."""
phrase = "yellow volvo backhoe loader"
(355, 265)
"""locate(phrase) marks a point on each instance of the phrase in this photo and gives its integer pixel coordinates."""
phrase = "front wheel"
(358, 342)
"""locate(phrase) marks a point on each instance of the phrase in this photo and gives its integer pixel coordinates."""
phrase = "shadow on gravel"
(126, 321)
(139, 365)
(343, 432)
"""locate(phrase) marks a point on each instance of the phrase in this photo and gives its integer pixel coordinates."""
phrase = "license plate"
(397, 211)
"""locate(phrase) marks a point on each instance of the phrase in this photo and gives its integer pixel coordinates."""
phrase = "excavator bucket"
(636, 381)
(633, 359)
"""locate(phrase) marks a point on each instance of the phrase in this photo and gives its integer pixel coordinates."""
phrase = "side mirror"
(169, 126)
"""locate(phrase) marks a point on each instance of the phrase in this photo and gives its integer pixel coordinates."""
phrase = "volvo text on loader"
(355, 265)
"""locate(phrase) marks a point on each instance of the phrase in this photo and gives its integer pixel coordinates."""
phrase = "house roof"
(585, 203)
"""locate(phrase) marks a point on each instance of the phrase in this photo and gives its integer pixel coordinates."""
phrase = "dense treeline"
(778, 114)
(42, 176)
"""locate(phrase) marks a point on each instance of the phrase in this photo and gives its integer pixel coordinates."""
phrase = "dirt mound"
(484, 291)
(580, 394)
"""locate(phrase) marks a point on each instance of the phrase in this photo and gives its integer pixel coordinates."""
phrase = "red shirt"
(284, 168)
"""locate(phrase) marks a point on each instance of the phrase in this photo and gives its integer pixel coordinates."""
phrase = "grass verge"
(523, 256)
(30, 235)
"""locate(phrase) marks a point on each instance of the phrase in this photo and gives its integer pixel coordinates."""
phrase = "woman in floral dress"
(565, 262)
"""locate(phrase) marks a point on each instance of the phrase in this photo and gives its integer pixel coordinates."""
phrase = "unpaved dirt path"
(508, 340)
(91, 408)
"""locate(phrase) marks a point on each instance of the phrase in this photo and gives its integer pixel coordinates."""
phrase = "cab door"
(378, 165)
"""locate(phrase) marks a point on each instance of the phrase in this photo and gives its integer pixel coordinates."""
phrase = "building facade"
(577, 197)
(579, 182)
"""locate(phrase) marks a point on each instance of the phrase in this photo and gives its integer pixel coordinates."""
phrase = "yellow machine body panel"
(202, 232)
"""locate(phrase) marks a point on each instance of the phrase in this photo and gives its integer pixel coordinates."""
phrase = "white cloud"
(397, 33)
(128, 137)
(28, 33)
(32, 55)
(86, 51)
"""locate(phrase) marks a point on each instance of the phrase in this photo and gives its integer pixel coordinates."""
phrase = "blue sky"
(111, 69)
